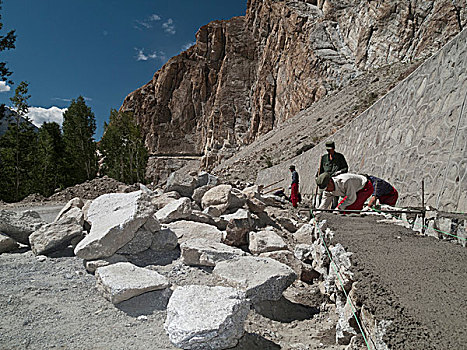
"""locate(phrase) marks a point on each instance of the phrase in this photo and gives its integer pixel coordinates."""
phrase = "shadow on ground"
(252, 341)
(146, 304)
(284, 310)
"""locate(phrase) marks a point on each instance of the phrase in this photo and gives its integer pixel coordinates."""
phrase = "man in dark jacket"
(334, 164)
(383, 191)
(294, 186)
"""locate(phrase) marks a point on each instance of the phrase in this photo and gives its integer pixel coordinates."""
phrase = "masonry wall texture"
(418, 131)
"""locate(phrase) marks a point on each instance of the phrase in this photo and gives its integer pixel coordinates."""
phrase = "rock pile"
(212, 226)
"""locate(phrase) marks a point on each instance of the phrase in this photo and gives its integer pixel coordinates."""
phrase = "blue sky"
(100, 49)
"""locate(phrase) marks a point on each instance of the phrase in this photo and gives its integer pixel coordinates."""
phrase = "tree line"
(51, 158)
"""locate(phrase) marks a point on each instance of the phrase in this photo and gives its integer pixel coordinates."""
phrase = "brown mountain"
(251, 74)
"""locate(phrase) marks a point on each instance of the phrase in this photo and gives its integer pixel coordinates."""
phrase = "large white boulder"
(201, 317)
(19, 226)
(176, 210)
(265, 241)
(219, 197)
(189, 229)
(123, 280)
(115, 218)
(204, 252)
(260, 278)
(55, 236)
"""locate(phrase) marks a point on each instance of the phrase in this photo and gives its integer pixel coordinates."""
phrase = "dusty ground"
(418, 282)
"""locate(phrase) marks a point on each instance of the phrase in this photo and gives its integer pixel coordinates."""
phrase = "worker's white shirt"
(345, 185)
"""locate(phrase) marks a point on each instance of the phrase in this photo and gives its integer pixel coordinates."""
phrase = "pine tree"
(122, 148)
(7, 42)
(18, 151)
(50, 170)
(79, 126)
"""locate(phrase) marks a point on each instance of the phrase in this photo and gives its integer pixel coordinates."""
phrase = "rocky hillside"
(247, 76)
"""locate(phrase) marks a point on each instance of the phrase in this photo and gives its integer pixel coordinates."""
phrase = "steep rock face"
(247, 75)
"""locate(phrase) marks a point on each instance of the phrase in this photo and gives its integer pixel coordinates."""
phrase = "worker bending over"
(355, 190)
(383, 191)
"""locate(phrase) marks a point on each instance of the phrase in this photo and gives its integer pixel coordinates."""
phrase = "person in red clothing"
(294, 186)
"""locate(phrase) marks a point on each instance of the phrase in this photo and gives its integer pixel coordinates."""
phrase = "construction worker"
(294, 186)
(333, 163)
(355, 190)
(383, 191)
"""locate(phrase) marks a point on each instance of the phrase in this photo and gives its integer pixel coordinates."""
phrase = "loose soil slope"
(417, 282)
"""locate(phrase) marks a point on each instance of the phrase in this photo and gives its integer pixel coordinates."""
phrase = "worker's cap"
(323, 180)
(292, 167)
(330, 145)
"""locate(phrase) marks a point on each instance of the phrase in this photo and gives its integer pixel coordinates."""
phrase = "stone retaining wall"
(417, 131)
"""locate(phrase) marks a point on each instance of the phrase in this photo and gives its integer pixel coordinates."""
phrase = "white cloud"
(39, 115)
(4, 87)
(68, 100)
(142, 56)
(188, 45)
(169, 27)
(146, 23)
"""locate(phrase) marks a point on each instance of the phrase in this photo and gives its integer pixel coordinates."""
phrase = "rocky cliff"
(248, 75)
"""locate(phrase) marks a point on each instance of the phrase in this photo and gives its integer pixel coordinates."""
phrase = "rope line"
(426, 227)
(352, 307)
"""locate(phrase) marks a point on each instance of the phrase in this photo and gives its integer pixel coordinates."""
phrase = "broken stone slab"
(164, 240)
(181, 183)
(139, 243)
(462, 233)
(74, 213)
(260, 278)
(123, 280)
(56, 235)
(219, 197)
(255, 205)
(115, 218)
(287, 223)
(72, 203)
(204, 252)
(238, 227)
(265, 241)
(212, 211)
(177, 210)
(201, 317)
(304, 235)
(7, 244)
(238, 199)
(206, 179)
(346, 326)
(162, 200)
(199, 216)
(189, 229)
(19, 226)
(342, 265)
(92, 265)
(431, 229)
(199, 192)
(285, 257)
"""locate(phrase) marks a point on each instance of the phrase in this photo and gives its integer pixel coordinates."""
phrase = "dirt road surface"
(419, 283)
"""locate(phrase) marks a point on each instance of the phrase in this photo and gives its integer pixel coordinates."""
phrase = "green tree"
(18, 151)
(7, 42)
(123, 152)
(79, 126)
(50, 167)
